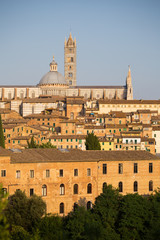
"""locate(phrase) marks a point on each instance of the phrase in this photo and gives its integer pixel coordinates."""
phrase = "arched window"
(120, 186)
(33, 94)
(70, 82)
(75, 206)
(61, 207)
(4, 191)
(135, 186)
(89, 188)
(98, 96)
(104, 186)
(62, 189)
(32, 109)
(151, 185)
(21, 95)
(9, 95)
(89, 205)
(85, 96)
(44, 190)
(75, 189)
(72, 115)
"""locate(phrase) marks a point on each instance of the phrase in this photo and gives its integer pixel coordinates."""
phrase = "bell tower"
(70, 61)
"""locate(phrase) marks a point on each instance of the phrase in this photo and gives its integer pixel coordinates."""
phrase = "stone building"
(62, 178)
(55, 84)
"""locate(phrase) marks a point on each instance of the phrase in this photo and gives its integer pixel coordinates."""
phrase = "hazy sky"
(110, 34)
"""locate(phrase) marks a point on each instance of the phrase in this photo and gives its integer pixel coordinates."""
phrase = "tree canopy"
(32, 144)
(92, 142)
(2, 140)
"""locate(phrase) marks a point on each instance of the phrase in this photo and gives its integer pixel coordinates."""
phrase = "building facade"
(67, 177)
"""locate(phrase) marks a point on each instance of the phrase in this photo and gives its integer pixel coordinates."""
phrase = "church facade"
(55, 84)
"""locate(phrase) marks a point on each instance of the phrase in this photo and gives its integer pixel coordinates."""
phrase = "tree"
(4, 226)
(32, 143)
(2, 141)
(51, 227)
(23, 211)
(92, 142)
(106, 209)
(134, 217)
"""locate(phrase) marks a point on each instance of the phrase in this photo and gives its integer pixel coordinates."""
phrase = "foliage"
(106, 210)
(51, 227)
(134, 217)
(32, 144)
(80, 224)
(2, 141)
(4, 227)
(23, 211)
(92, 142)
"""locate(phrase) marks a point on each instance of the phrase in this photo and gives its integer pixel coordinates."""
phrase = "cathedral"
(55, 84)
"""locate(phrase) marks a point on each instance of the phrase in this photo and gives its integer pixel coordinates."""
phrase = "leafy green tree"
(154, 231)
(106, 211)
(19, 233)
(134, 217)
(2, 141)
(4, 226)
(23, 211)
(80, 224)
(92, 142)
(32, 143)
(51, 227)
(46, 145)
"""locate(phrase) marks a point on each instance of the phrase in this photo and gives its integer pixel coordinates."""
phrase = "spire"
(70, 36)
(129, 71)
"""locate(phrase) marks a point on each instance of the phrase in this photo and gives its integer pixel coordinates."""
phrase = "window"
(61, 208)
(89, 205)
(151, 185)
(88, 172)
(126, 141)
(150, 167)
(135, 167)
(44, 190)
(71, 59)
(4, 191)
(61, 172)
(104, 186)
(104, 168)
(135, 141)
(18, 174)
(135, 186)
(89, 188)
(120, 186)
(75, 189)
(62, 189)
(120, 168)
(70, 74)
(31, 191)
(3, 173)
(31, 173)
(75, 172)
(47, 173)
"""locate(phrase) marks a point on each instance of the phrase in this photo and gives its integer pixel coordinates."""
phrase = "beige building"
(62, 178)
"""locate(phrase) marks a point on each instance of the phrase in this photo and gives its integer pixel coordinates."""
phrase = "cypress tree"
(2, 141)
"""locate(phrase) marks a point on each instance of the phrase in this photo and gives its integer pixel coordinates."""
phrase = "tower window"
(71, 59)
(70, 74)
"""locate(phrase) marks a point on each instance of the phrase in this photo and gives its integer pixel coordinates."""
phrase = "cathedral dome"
(52, 77)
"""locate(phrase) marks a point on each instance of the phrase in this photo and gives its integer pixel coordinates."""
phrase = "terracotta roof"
(67, 137)
(146, 139)
(114, 101)
(155, 128)
(93, 127)
(4, 152)
(21, 138)
(44, 116)
(54, 155)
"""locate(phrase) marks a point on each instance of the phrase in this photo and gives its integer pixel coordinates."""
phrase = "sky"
(110, 36)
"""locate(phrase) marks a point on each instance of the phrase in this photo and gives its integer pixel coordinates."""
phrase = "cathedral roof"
(52, 78)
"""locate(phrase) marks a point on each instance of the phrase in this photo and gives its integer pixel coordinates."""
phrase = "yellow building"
(62, 178)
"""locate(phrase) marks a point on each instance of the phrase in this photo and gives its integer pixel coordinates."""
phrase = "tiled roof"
(54, 155)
